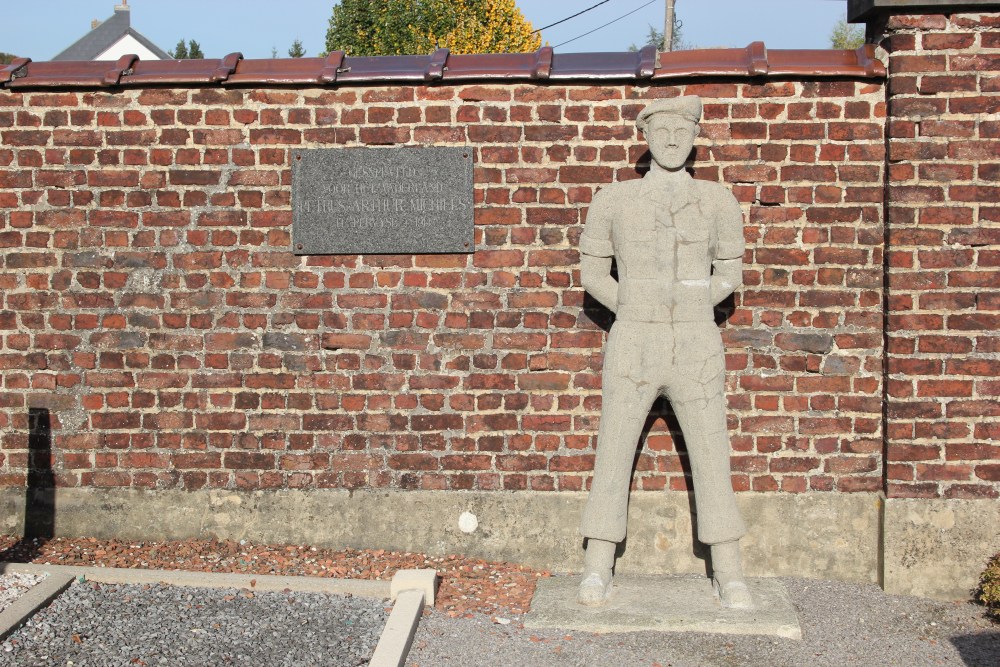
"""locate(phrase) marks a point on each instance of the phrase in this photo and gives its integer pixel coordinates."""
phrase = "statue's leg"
(701, 410)
(625, 404)
(703, 422)
(595, 582)
(720, 524)
(727, 576)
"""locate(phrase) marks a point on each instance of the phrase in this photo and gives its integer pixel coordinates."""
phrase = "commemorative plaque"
(349, 201)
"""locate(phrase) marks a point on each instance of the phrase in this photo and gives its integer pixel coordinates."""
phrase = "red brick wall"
(151, 302)
(944, 260)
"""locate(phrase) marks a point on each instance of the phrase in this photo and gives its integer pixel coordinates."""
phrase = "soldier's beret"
(687, 107)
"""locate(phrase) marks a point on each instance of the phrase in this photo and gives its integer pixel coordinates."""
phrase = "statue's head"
(670, 127)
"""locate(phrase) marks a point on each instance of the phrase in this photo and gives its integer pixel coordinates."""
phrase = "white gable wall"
(125, 45)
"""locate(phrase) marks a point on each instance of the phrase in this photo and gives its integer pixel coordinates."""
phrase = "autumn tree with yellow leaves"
(398, 27)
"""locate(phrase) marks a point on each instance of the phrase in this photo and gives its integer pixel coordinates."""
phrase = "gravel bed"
(842, 624)
(94, 625)
(13, 586)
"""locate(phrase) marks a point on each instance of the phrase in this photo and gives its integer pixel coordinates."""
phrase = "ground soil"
(467, 585)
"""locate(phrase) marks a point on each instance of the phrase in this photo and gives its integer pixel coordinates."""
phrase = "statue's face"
(670, 139)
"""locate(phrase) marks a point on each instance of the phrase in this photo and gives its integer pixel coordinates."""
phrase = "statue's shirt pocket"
(694, 241)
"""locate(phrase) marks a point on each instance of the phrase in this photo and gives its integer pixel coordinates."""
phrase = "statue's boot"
(595, 584)
(727, 576)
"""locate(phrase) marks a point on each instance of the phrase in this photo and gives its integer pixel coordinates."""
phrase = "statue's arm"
(727, 267)
(595, 274)
(596, 251)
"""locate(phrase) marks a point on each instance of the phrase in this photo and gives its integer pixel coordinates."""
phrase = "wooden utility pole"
(668, 27)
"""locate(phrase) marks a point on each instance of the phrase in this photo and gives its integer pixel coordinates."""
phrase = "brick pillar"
(943, 259)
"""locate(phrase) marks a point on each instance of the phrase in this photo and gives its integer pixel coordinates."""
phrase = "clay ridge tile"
(209, 70)
(74, 73)
(842, 63)
(753, 61)
(17, 68)
(625, 65)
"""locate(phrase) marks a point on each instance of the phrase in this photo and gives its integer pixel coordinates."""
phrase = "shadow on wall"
(39, 492)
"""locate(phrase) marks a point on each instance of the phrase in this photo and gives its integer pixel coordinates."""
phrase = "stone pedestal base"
(663, 604)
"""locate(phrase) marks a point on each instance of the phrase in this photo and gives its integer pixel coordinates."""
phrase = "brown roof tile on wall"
(751, 61)
(17, 67)
(72, 73)
(182, 71)
(288, 71)
(336, 69)
(842, 63)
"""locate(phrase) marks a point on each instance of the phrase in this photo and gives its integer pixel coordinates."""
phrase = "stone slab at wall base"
(664, 604)
(808, 535)
(938, 547)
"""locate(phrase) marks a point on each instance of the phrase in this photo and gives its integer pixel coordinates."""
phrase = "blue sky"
(40, 29)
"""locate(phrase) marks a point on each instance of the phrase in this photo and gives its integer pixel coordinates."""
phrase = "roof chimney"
(94, 24)
(122, 7)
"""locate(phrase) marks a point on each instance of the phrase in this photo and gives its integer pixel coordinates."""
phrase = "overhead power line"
(606, 24)
(571, 17)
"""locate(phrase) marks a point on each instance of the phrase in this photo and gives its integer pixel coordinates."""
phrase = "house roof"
(108, 33)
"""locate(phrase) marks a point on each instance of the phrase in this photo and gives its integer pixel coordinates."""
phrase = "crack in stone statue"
(678, 244)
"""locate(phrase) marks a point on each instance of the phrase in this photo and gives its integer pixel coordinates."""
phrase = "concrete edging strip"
(409, 589)
(257, 582)
(397, 636)
(38, 596)
(393, 644)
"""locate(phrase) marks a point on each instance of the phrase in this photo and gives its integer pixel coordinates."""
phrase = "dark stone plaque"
(350, 201)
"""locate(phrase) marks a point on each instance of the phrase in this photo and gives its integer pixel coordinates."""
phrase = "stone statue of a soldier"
(678, 244)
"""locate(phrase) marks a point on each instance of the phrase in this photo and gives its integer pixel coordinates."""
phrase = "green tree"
(655, 38)
(395, 27)
(180, 51)
(189, 51)
(296, 51)
(847, 36)
(6, 58)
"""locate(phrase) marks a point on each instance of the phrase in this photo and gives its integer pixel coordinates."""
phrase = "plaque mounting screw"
(299, 246)
(298, 157)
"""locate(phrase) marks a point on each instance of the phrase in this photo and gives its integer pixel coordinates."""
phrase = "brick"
(248, 461)
(818, 343)
(493, 133)
(948, 83)
(582, 174)
(797, 132)
(271, 137)
(384, 135)
(741, 131)
(193, 177)
(989, 472)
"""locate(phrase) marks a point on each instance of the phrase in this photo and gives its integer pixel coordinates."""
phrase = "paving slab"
(663, 604)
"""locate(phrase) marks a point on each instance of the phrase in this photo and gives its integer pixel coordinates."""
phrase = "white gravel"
(95, 625)
(842, 624)
(13, 586)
